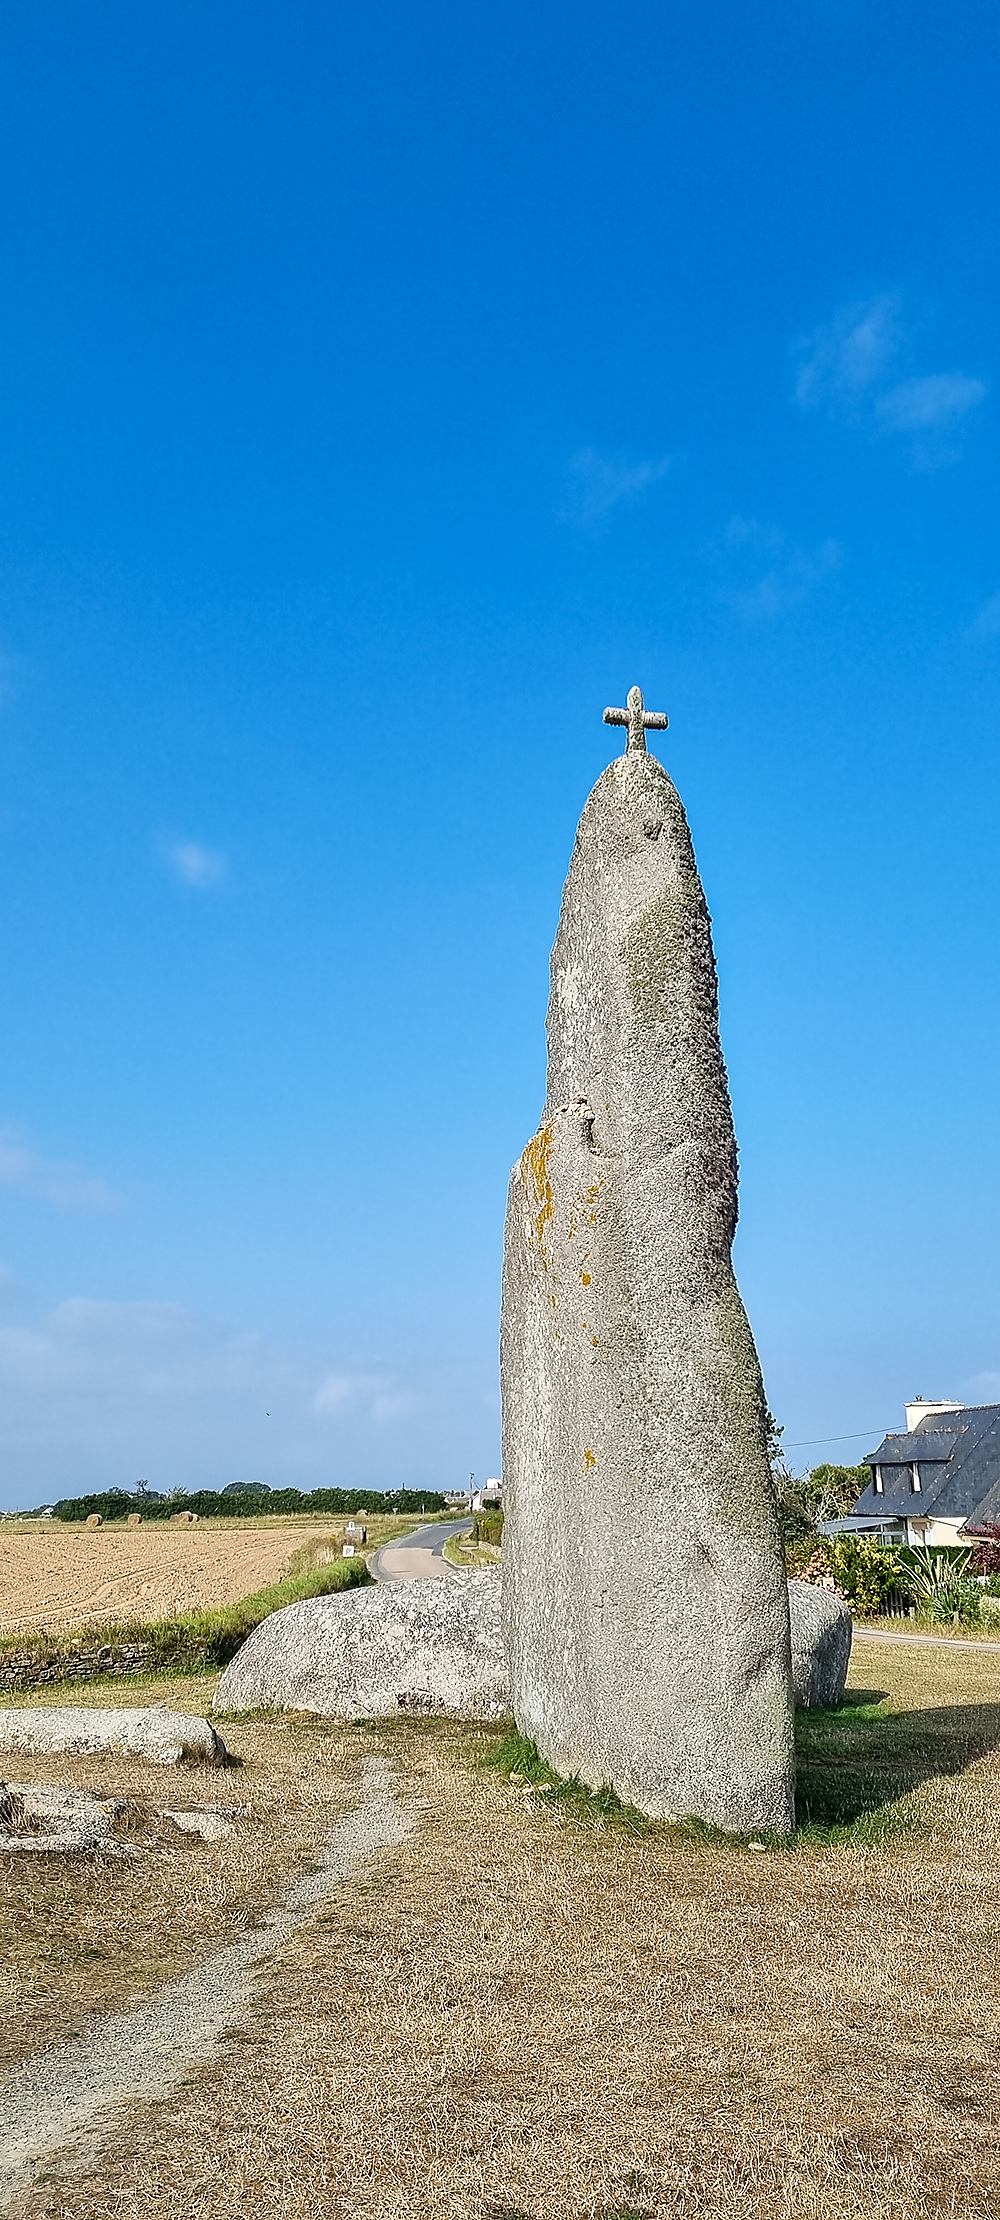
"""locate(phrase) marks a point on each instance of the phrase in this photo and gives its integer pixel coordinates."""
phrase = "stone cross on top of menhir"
(639, 720)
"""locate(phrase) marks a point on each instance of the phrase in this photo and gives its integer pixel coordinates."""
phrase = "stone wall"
(40, 1668)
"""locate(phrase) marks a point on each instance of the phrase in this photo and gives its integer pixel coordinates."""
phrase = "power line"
(863, 1434)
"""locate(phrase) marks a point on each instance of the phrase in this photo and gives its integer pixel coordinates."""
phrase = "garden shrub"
(867, 1576)
(957, 1599)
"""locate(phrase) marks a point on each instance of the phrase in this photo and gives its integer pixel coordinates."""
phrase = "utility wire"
(819, 1439)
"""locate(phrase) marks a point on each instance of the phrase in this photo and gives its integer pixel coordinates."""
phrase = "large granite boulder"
(370, 1653)
(78, 1730)
(645, 1600)
(822, 1628)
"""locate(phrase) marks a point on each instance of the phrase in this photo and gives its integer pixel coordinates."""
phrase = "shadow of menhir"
(646, 1618)
(852, 1765)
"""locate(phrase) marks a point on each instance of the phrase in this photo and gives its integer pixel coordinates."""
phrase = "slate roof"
(957, 1454)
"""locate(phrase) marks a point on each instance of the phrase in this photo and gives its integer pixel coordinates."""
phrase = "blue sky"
(383, 392)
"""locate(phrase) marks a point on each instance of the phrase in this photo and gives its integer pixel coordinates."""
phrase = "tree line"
(243, 1502)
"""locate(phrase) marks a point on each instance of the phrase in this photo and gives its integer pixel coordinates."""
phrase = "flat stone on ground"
(162, 1737)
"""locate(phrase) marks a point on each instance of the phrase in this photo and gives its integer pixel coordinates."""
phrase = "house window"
(878, 1480)
(915, 1478)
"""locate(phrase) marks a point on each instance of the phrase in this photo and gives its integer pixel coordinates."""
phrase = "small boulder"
(430, 1646)
(821, 1645)
(212, 1826)
(35, 1817)
(162, 1737)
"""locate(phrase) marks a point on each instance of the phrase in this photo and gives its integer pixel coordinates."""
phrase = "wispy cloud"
(850, 356)
(95, 1393)
(599, 483)
(853, 367)
(196, 865)
(48, 1180)
(986, 624)
(367, 1394)
(768, 572)
(984, 1387)
(929, 404)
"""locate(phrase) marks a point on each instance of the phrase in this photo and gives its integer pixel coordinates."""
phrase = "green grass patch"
(856, 1771)
(193, 1642)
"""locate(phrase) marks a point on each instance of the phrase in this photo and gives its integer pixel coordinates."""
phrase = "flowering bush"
(806, 1559)
(986, 1555)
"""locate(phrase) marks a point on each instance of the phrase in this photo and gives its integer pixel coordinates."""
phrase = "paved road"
(936, 1641)
(418, 1556)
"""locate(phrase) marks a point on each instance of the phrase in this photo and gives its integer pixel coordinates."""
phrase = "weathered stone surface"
(36, 1817)
(821, 1645)
(212, 1826)
(163, 1737)
(428, 1646)
(645, 1601)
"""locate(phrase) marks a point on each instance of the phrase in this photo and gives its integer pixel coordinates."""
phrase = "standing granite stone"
(645, 1604)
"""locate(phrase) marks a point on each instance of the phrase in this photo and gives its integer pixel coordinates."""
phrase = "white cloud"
(852, 368)
(195, 865)
(789, 573)
(984, 1387)
(986, 625)
(846, 358)
(926, 404)
(367, 1394)
(65, 1186)
(95, 1393)
(599, 483)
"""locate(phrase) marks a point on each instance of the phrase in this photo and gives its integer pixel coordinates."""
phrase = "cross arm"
(638, 718)
(654, 720)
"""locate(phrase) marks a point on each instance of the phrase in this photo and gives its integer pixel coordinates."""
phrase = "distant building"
(937, 1483)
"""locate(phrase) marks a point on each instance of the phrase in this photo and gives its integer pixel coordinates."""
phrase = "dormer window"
(878, 1480)
(915, 1478)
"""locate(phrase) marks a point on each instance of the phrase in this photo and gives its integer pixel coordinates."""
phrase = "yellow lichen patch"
(586, 1278)
(589, 1460)
(535, 1166)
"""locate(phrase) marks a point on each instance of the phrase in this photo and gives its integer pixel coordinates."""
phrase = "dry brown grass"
(55, 1578)
(79, 1935)
(520, 2014)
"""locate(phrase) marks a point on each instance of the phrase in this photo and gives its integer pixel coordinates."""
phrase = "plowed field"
(54, 1578)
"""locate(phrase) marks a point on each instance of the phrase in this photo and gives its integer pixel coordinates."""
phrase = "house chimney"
(918, 1409)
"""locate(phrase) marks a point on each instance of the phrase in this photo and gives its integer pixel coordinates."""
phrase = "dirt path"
(929, 1641)
(57, 2104)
